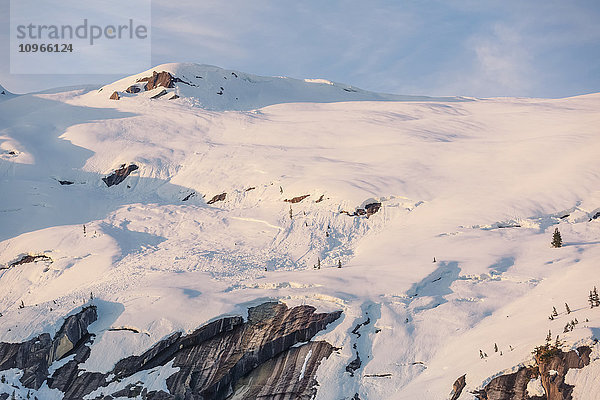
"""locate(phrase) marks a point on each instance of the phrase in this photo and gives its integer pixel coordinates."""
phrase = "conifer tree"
(495, 347)
(549, 337)
(568, 309)
(339, 263)
(554, 312)
(556, 239)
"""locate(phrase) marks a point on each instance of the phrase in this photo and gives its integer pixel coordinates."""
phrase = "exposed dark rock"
(29, 259)
(320, 199)
(119, 175)
(189, 196)
(354, 365)
(250, 188)
(289, 375)
(372, 208)
(124, 329)
(368, 210)
(65, 182)
(133, 89)
(174, 97)
(210, 361)
(554, 383)
(218, 197)
(35, 356)
(514, 386)
(158, 79)
(297, 199)
(458, 387)
(159, 94)
(509, 387)
(162, 79)
(595, 216)
(114, 96)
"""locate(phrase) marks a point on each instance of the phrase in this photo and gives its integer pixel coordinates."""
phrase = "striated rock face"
(289, 375)
(114, 96)
(35, 356)
(251, 360)
(509, 387)
(458, 387)
(552, 367)
(119, 175)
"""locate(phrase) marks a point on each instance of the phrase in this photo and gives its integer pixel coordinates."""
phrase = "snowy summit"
(214, 88)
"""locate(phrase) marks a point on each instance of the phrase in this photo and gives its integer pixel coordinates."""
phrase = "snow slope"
(214, 88)
(479, 185)
(5, 94)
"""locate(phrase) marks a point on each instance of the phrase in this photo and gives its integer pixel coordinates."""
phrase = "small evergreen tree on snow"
(595, 297)
(554, 312)
(549, 337)
(568, 309)
(339, 263)
(495, 347)
(556, 239)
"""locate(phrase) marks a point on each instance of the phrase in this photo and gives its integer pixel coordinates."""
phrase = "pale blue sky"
(538, 48)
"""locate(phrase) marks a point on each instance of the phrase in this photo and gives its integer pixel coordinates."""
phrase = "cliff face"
(551, 367)
(252, 359)
(34, 356)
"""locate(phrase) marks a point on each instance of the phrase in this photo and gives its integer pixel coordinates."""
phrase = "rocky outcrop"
(133, 89)
(158, 79)
(367, 210)
(252, 359)
(458, 387)
(29, 258)
(554, 368)
(552, 365)
(162, 79)
(159, 94)
(119, 175)
(34, 356)
(297, 199)
(372, 208)
(509, 387)
(114, 96)
(218, 197)
(289, 375)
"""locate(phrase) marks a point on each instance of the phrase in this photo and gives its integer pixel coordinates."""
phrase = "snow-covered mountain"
(173, 215)
(214, 88)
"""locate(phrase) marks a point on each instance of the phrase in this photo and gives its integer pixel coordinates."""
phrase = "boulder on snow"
(133, 89)
(115, 96)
